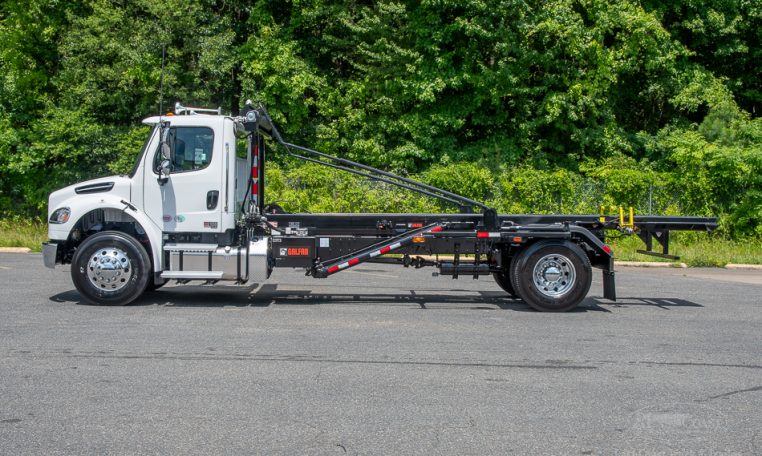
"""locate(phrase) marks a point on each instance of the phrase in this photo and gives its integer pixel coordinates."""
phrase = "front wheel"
(552, 276)
(110, 268)
(153, 286)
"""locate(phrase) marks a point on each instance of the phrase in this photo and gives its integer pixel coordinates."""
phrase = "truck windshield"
(142, 151)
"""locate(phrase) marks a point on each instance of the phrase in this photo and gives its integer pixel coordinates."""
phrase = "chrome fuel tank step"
(246, 265)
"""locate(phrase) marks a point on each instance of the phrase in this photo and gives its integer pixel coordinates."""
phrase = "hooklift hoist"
(193, 209)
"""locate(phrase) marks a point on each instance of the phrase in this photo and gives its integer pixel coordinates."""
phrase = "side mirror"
(165, 167)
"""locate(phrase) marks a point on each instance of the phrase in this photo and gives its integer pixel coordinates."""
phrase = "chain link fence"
(565, 196)
(589, 195)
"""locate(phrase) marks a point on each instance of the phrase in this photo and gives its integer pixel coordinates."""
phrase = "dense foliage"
(526, 104)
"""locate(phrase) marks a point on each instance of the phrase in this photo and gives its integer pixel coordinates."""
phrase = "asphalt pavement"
(381, 360)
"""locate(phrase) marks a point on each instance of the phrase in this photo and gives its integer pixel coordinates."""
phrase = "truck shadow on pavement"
(270, 294)
(662, 303)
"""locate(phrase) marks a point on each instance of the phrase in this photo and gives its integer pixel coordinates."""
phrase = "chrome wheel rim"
(554, 275)
(109, 269)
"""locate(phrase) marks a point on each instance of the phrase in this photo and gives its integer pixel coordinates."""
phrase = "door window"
(190, 148)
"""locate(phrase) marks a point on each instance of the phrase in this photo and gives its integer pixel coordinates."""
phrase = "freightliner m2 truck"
(194, 210)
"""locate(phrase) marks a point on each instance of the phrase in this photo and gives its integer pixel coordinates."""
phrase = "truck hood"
(113, 185)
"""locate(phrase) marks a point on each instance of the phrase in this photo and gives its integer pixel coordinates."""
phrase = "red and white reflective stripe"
(255, 173)
(487, 234)
(380, 252)
(343, 265)
(384, 250)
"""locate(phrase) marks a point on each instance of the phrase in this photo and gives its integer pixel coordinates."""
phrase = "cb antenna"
(161, 84)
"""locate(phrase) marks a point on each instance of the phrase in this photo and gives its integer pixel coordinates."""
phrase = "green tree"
(725, 37)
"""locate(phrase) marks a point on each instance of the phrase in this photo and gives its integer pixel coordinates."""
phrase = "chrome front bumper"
(49, 254)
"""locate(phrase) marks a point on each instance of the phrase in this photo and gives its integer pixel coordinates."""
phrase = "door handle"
(212, 198)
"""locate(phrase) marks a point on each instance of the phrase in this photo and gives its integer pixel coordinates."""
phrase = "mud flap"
(609, 287)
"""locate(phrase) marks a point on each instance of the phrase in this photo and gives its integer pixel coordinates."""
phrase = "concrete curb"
(744, 266)
(649, 264)
(15, 250)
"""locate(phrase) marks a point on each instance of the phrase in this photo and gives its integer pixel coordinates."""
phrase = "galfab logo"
(694, 423)
(294, 251)
(685, 417)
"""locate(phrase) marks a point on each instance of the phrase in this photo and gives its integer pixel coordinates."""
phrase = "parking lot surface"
(381, 360)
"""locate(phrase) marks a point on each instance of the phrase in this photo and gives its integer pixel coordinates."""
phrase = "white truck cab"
(173, 217)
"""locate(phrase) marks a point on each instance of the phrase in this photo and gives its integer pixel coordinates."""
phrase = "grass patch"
(20, 232)
(694, 249)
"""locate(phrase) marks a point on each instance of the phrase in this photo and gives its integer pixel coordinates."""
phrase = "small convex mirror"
(165, 167)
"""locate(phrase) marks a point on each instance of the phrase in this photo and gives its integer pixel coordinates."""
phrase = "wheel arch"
(599, 254)
(115, 215)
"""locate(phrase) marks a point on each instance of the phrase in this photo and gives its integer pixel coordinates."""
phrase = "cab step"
(192, 275)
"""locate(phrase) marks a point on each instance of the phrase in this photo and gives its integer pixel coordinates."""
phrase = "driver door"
(189, 200)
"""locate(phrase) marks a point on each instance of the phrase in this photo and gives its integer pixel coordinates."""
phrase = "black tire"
(503, 280)
(110, 268)
(152, 286)
(512, 277)
(559, 260)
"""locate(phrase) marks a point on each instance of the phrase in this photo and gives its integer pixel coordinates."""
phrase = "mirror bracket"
(164, 170)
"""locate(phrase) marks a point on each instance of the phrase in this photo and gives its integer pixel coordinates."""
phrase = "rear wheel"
(552, 276)
(110, 268)
(503, 280)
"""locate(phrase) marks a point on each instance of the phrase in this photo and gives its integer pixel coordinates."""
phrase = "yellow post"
(632, 218)
(603, 214)
(621, 217)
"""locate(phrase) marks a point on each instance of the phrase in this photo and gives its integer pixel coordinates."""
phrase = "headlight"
(60, 215)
